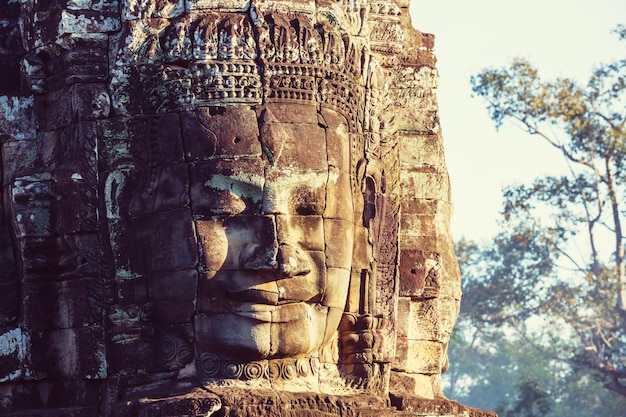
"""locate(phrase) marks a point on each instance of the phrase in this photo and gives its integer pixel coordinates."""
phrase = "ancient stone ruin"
(222, 207)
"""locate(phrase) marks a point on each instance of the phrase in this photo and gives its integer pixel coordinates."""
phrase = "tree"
(532, 401)
(500, 357)
(560, 255)
(489, 368)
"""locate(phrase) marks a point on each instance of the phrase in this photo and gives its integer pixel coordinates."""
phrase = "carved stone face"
(276, 235)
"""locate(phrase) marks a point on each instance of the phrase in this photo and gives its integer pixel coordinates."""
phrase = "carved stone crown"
(244, 59)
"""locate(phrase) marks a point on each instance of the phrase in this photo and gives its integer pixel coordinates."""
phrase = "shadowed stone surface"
(228, 208)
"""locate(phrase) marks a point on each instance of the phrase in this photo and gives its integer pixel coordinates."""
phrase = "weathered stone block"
(84, 22)
(78, 102)
(34, 222)
(7, 257)
(60, 258)
(221, 188)
(226, 5)
(422, 320)
(20, 122)
(114, 145)
(130, 285)
(10, 83)
(62, 305)
(420, 225)
(421, 152)
(338, 143)
(9, 296)
(221, 132)
(287, 192)
(429, 183)
(161, 188)
(222, 332)
(174, 345)
(245, 242)
(291, 113)
(409, 385)
(174, 296)
(90, 102)
(78, 212)
(130, 346)
(169, 239)
(95, 5)
(423, 357)
(72, 149)
(152, 88)
(52, 398)
(295, 144)
(419, 111)
(413, 272)
(137, 9)
(337, 288)
(307, 232)
(428, 244)
(198, 402)
(339, 184)
(13, 353)
(68, 353)
(156, 139)
(362, 252)
(339, 231)
(9, 9)
(82, 60)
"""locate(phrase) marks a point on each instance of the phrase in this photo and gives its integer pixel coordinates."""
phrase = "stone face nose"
(288, 260)
(292, 261)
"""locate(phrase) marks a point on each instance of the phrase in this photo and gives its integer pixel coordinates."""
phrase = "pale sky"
(561, 37)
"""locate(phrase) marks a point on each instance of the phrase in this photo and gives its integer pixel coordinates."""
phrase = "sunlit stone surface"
(225, 207)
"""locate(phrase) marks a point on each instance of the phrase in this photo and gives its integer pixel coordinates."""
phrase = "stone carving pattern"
(387, 34)
(213, 61)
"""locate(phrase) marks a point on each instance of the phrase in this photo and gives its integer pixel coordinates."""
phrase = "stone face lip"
(225, 207)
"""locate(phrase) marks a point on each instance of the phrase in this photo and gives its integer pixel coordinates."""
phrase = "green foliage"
(559, 257)
(504, 289)
(532, 401)
(493, 361)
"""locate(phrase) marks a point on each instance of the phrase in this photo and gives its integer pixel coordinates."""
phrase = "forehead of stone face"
(220, 132)
(292, 137)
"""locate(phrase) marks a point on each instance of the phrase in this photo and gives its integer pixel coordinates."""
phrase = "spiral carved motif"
(302, 366)
(231, 369)
(273, 370)
(288, 370)
(167, 348)
(213, 366)
(174, 353)
(209, 364)
(184, 353)
(253, 370)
